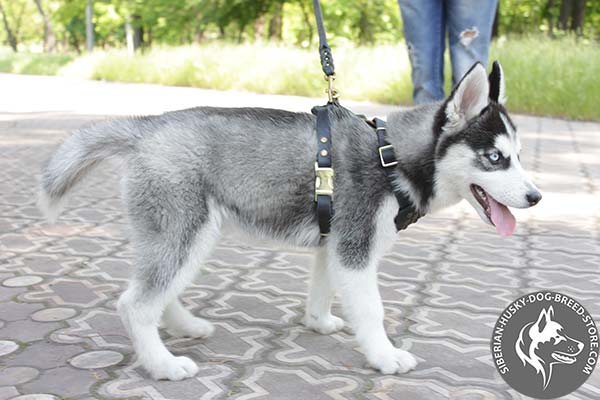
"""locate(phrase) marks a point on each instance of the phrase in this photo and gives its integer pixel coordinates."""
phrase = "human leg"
(424, 32)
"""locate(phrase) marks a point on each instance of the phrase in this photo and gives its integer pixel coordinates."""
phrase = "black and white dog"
(189, 172)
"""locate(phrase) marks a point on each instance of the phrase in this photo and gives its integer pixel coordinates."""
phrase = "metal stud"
(324, 153)
(323, 140)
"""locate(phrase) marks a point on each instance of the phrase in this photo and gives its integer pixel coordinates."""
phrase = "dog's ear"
(544, 318)
(497, 85)
(468, 98)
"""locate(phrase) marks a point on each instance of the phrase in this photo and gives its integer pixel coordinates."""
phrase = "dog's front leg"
(357, 287)
(320, 295)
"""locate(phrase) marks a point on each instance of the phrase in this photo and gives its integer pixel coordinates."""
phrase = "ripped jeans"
(469, 27)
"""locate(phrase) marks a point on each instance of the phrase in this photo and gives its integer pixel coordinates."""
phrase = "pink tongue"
(502, 217)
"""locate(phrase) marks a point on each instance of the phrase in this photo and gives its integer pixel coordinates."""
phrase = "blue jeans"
(469, 27)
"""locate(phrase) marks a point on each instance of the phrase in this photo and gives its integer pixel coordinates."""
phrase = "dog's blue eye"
(494, 157)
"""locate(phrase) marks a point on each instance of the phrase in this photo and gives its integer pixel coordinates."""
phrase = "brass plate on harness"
(323, 181)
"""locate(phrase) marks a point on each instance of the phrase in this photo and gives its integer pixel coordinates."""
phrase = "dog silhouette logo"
(545, 345)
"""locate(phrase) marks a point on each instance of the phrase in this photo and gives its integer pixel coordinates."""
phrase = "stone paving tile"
(443, 285)
(43, 355)
(26, 331)
(66, 382)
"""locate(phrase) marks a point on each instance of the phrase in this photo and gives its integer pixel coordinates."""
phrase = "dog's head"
(477, 152)
(544, 343)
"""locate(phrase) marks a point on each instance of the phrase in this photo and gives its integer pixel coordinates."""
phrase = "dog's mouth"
(563, 358)
(497, 213)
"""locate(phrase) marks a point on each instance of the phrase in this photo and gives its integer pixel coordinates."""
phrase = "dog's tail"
(78, 155)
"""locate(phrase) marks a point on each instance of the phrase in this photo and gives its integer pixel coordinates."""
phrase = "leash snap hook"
(332, 93)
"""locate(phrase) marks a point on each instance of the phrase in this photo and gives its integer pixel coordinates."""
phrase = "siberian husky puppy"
(188, 172)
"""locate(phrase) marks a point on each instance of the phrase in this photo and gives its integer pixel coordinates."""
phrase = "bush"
(33, 63)
(544, 76)
(551, 77)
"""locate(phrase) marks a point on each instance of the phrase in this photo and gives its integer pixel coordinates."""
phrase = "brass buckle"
(383, 163)
(323, 181)
(332, 94)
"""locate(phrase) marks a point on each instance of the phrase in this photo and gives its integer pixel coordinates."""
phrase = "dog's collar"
(407, 213)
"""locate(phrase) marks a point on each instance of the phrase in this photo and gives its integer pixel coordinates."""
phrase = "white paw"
(324, 324)
(193, 327)
(395, 361)
(173, 369)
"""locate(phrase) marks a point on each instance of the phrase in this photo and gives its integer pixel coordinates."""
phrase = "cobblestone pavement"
(444, 283)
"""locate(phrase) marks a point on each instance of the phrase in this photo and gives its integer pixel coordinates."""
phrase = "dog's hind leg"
(180, 322)
(140, 308)
(170, 251)
(320, 295)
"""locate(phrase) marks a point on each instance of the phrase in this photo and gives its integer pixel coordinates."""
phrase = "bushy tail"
(78, 155)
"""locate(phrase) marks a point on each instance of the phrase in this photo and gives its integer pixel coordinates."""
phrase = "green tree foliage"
(21, 22)
(156, 22)
(531, 16)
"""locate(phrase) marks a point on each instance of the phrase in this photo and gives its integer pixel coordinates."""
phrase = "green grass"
(544, 77)
(266, 69)
(559, 78)
(33, 63)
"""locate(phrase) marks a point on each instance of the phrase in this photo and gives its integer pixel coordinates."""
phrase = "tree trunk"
(578, 17)
(240, 38)
(138, 32)
(566, 10)
(89, 26)
(307, 22)
(149, 37)
(12, 40)
(365, 28)
(49, 36)
(74, 41)
(573, 11)
(550, 17)
(129, 36)
(17, 21)
(199, 35)
(276, 22)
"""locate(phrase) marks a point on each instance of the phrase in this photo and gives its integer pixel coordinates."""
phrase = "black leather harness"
(407, 213)
(324, 169)
(324, 173)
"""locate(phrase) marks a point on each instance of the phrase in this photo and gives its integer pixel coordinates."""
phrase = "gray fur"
(257, 164)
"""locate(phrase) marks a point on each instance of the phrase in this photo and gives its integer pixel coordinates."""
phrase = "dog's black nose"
(533, 197)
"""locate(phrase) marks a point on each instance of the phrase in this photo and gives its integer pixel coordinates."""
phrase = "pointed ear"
(497, 87)
(468, 98)
(544, 318)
